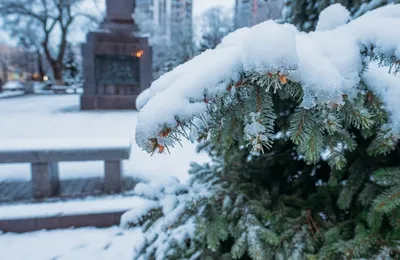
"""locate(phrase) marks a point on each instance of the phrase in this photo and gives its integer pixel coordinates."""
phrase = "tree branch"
(16, 8)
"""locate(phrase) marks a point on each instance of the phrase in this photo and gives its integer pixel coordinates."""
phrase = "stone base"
(112, 176)
(108, 102)
(45, 180)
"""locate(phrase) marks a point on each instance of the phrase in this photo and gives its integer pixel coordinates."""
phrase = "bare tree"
(51, 19)
(27, 37)
(216, 23)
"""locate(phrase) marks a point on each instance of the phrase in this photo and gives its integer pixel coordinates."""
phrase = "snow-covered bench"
(59, 89)
(44, 155)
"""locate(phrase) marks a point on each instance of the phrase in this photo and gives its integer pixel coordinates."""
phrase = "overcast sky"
(199, 6)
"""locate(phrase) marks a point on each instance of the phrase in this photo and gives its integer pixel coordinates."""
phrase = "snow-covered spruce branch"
(279, 55)
(318, 131)
(306, 127)
(168, 218)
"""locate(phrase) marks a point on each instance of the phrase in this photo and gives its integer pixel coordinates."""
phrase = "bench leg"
(113, 176)
(45, 180)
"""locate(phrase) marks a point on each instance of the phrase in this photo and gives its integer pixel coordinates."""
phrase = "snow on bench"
(45, 154)
(70, 208)
(57, 89)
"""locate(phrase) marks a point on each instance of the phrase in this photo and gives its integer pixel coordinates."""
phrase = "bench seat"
(44, 155)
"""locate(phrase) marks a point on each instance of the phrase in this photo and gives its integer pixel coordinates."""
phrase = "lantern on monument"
(139, 53)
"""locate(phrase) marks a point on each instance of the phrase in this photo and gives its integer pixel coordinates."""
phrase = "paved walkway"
(11, 192)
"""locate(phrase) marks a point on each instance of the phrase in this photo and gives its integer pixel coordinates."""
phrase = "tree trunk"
(58, 69)
(56, 64)
(5, 76)
(40, 65)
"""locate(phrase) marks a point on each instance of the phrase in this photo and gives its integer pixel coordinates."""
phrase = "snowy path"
(8, 94)
(70, 244)
(58, 117)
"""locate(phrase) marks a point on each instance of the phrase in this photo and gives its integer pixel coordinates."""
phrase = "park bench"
(44, 156)
(58, 89)
(64, 89)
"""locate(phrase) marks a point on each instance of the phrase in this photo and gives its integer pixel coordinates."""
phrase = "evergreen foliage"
(304, 13)
(286, 182)
(72, 73)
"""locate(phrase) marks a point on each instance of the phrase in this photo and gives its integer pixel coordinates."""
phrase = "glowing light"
(139, 53)
(45, 78)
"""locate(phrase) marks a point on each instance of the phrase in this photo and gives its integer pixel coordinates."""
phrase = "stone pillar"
(119, 15)
(45, 179)
(112, 176)
(115, 58)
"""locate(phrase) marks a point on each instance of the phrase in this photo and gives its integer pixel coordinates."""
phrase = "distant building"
(169, 26)
(145, 7)
(252, 12)
(174, 18)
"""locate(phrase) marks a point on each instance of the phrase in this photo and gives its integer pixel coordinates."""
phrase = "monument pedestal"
(108, 102)
(117, 64)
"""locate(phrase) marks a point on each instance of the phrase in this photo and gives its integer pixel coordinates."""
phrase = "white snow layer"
(76, 207)
(387, 87)
(171, 197)
(70, 244)
(49, 144)
(40, 121)
(332, 17)
(326, 63)
(142, 99)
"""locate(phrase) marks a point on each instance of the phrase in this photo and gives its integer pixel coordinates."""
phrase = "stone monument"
(116, 61)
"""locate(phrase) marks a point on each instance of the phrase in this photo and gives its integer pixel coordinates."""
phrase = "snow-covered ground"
(58, 117)
(90, 205)
(81, 243)
(70, 244)
(7, 94)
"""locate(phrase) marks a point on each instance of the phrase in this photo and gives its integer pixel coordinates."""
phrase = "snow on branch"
(326, 63)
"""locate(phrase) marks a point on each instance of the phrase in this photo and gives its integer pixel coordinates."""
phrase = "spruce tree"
(304, 165)
(304, 13)
(72, 70)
